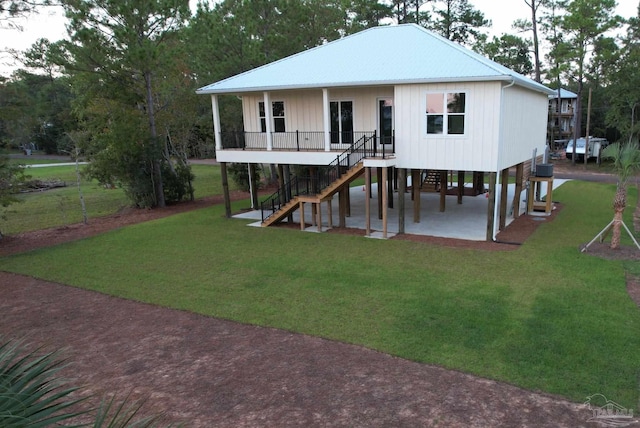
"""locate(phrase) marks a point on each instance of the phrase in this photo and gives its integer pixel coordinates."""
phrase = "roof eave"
(501, 78)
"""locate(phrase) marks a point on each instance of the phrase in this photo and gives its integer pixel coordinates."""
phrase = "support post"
(380, 188)
(460, 186)
(402, 188)
(385, 203)
(253, 186)
(518, 195)
(491, 203)
(415, 187)
(504, 187)
(390, 186)
(367, 201)
(342, 211)
(302, 225)
(225, 189)
(443, 190)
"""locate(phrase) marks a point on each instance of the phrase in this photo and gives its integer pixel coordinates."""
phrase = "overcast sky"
(51, 24)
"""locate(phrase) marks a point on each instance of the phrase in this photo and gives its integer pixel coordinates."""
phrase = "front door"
(385, 123)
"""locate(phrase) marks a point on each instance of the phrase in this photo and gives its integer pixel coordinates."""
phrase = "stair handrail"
(310, 185)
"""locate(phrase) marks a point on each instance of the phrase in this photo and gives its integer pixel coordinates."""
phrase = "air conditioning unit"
(544, 170)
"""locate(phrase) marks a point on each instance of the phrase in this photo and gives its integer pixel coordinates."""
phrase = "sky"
(50, 24)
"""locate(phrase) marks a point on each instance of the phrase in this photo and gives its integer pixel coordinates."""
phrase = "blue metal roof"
(386, 55)
(564, 93)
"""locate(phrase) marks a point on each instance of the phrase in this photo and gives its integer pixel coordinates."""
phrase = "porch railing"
(303, 141)
(322, 177)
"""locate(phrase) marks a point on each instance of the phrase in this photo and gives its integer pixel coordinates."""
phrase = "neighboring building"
(562, 117)
(398, 100)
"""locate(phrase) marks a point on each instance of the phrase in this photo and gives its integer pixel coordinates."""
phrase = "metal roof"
(386, 55)
(563, 94)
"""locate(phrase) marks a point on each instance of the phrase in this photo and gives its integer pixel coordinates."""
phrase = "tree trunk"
(615, 231)
(619, 204)
(536, 48)
(636, 214)
(155, 162)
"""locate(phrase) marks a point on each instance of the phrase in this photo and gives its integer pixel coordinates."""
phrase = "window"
(446, 113)
(341, 122)
(277, 108)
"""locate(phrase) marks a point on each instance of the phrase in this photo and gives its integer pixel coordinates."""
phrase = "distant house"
(562, 115)
(397, 101)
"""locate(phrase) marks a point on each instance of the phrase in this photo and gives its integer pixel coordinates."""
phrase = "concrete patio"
(462, 221)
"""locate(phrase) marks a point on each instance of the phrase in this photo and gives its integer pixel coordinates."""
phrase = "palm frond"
(31, 392)
(626, 159)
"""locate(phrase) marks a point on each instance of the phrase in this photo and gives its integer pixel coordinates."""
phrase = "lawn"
(61, 206)
(545, 317)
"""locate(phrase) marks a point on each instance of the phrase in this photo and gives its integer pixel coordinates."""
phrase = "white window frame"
(273, 118)
(445, 114)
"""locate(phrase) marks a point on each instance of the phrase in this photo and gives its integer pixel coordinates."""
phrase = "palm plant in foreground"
(626, 163)
(33, 395)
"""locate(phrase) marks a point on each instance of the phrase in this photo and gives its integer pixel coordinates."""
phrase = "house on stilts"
(396, 102)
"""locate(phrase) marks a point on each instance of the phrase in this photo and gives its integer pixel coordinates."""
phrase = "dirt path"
(208, 372)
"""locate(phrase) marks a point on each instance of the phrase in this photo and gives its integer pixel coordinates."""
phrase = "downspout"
(496, 203)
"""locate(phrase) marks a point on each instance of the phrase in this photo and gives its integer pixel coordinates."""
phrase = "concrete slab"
(462, 221)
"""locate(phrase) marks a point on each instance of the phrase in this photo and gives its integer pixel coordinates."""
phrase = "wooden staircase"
(328, 192)
(430, 181)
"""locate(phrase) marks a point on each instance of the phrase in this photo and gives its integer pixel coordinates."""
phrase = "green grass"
(60, 207)
(545, 317)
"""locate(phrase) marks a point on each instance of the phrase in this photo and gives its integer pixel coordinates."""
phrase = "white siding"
(303, 109)
(490, 142)
(524, 125)
(474, 151)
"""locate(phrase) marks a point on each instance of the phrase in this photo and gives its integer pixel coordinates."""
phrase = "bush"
(240, 175)
(177, 186)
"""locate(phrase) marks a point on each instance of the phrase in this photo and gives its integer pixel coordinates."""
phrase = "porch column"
(326, 119)
(216, 122)
(268, 118)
